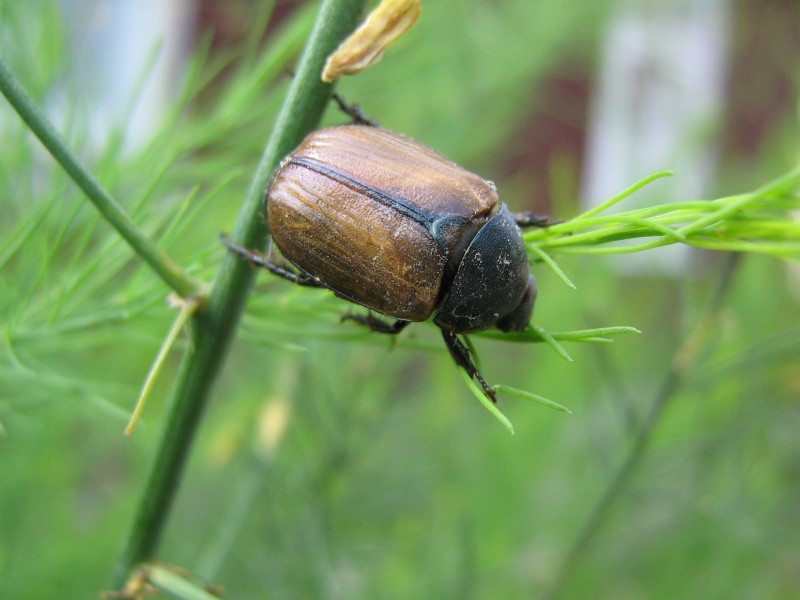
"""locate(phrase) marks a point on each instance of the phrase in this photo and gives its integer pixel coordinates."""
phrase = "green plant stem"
(172, 274)
(214, 328)
(686, 355)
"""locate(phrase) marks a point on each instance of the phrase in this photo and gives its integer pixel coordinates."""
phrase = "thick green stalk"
(172, 274)
(215, 326)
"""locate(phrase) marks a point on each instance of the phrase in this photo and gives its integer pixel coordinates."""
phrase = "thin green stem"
(621, 196)
(173, 275)
(214, 328)
(779, 186)
(673, 380)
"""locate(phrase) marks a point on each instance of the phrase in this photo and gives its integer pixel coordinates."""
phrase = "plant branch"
(753, 222)
(170, 272)
(214, 328)
(685, 356)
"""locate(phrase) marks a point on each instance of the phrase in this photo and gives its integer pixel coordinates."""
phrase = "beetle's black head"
(492, 286)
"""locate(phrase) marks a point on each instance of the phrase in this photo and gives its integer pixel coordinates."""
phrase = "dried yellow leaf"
(384, 25)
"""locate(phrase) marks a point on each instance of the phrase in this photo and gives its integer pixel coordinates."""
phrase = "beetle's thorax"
(491, 282)
(454, 234)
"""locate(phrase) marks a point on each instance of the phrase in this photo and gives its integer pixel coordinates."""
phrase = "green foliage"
(754, 222)
(388, 481)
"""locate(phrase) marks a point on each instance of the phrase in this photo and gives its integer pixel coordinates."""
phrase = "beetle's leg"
(529, 219)
(353, 111)
(377, 324)
(262, 261)
(460, 354)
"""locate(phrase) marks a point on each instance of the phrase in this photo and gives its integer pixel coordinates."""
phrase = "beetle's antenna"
(460, 354)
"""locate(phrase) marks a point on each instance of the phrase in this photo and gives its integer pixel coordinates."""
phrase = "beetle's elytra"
(385, 222)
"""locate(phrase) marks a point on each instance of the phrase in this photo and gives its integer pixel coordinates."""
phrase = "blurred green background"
(389, 480)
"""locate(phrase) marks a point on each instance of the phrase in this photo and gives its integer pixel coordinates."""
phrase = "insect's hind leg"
(460, 354)
(259, 260)
(353, 111)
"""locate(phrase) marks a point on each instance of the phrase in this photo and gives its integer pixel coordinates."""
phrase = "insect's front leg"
(529, 219)
(460, 354)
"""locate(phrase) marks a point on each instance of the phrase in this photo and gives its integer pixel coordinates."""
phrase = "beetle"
(388, 223)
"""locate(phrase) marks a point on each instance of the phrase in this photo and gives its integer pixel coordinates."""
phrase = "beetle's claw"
(487, 390)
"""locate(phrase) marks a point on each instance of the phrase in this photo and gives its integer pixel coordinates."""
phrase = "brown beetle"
(385, 222)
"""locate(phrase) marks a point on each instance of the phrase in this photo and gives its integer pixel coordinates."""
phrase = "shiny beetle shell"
(388, 223)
